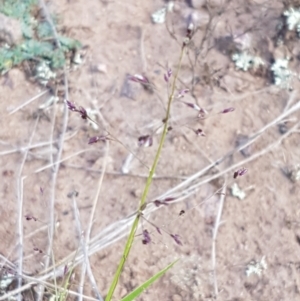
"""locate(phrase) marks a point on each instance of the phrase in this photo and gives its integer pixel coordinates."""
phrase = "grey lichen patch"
(7, 278)
(93, 115)
(282, 75)
(294, 173)
(237, 192)
(159, 17)
(245, 61)
(292, 19)
(44, 73)
(256, 267)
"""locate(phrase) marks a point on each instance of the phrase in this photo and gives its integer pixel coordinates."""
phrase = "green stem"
(163, 136)
(147, 186)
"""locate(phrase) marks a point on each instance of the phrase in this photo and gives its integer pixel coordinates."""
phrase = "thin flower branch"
(101, 138)
(142, 203)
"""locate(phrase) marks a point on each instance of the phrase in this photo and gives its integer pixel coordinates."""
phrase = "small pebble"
(100, 68)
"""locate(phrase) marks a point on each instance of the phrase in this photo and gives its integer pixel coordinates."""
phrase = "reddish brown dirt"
(121, 36)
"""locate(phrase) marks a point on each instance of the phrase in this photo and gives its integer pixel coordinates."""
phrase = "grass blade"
(134, 294)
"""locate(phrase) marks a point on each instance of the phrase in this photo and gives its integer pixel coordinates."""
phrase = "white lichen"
(237, 192)
(6, 279)
(294, 173)
(77, 58)
(256, 267)
(93, 114)
(44, 73)
(282, 75)
(244, 61)
(292, 18)
(126, 165)
(159, 16)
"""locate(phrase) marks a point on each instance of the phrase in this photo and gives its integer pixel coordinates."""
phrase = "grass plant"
(56, 276)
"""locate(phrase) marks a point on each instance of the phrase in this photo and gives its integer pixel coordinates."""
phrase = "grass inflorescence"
(144, 141)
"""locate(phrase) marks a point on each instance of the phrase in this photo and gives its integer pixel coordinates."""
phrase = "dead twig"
(60, 149)
(27, 102)
(20, 181)
(64, 159)
(37, 145)
(214, 239)
(85, 244)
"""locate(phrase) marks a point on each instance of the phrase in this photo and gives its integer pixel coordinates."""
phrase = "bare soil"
(120, 39)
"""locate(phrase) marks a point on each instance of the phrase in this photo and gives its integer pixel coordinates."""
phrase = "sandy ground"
(121, 39)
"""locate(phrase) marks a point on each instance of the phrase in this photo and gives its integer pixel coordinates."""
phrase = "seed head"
(37, 250)
(182, 212)
(167, 75)
(165, 201)
(146, 237)
(192, 105)
(66, 269)
(30, 217)
(228, 110)
(182, 92)
(83, 113)
(202, 113)
(71, 105)
(176, 239)
(139, 79)
(189, 34)
(95, 139)
(239, 173)
(199, 132)
(145, 141)
(158, 230)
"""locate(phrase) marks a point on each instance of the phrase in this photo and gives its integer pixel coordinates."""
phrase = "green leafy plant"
(38, 40)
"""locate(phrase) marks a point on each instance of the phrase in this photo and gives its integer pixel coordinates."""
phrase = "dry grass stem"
(214, 239)
(28, 102)
(33, 281)
(20, 181)
(85, 245)
(86, 263)
(33, 146)
(64, 159)
(60, 149)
